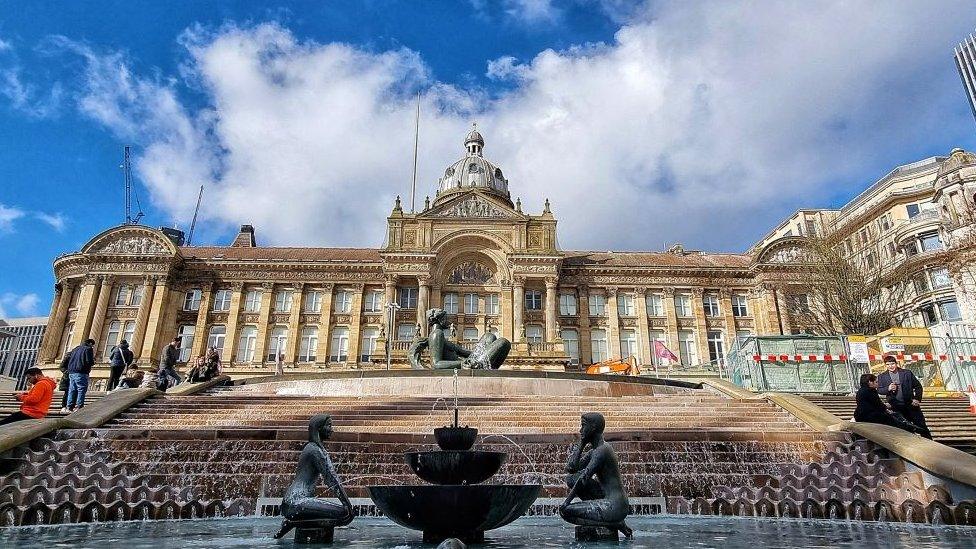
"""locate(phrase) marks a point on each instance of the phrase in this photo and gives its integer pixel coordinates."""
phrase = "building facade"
(472, 251)
(20, 341)
(965, 56)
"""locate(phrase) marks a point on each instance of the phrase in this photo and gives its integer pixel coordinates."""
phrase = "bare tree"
(847, 293)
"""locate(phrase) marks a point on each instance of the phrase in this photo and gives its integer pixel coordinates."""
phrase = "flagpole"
(416, 143)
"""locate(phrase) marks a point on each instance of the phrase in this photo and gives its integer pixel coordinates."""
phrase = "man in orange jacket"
(35, 402)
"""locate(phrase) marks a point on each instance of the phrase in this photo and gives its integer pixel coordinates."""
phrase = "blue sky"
(699, 122)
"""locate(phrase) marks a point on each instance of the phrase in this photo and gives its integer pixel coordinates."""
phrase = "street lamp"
(390, 323)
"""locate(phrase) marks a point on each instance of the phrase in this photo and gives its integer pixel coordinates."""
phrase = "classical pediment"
(131, 240)
(472, 206)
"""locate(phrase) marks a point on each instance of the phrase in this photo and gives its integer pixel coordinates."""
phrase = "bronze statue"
(489, 353)
(314, 517)
(594, 477)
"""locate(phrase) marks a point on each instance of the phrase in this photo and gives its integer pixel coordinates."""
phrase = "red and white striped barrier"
(909, 357)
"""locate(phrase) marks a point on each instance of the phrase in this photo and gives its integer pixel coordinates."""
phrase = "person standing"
(34, 403)
(870, 408)
(904, 392)
(79, 368)
(167, 375)
(213, 361)
(121, 358)
(63, 382)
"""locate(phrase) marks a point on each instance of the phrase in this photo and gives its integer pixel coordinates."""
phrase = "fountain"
(455, 504)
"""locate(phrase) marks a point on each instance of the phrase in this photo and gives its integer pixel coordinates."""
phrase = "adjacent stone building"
(472, 251)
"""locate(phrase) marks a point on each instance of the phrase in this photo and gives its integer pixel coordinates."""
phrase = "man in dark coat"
(870, 409)
(80, 364)
(121, 358)
(904, 393)
(167, 375)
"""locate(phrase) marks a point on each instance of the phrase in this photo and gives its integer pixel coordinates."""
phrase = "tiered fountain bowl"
(455, 504)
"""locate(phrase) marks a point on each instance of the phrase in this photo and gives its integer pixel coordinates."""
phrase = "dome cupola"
(472, 171)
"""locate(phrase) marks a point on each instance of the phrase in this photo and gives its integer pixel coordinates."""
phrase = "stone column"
(389, 291)
(98, 317)
(264, 317)
(294, 323)
(86, 309)
(154, 324)
(355, 325)
(518, 305)
(583, 304)
(505, 311)
(725, 300)
(551, 302)
(423, 303)
(671, 330)
(56, 323)
(701, 328)
(643, 327)
(613, 324)
(229, 352)
(325, 321)
(786, 326)
(142, 316)
(200, 329)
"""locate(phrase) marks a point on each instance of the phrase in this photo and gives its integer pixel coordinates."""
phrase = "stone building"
(20, 341)
(472, 251)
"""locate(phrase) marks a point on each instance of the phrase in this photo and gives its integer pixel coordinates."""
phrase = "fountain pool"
(657, 531)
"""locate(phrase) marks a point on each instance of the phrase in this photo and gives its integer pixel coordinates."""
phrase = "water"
(656, 532)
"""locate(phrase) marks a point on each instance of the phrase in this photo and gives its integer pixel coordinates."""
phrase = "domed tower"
(472, 171)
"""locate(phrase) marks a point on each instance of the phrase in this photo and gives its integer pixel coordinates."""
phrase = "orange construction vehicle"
(616, 366)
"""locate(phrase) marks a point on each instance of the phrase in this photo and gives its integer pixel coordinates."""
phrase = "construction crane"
(127, 172)
(193, 224)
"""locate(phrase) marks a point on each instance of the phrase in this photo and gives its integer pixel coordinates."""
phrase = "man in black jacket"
(121, 359)
(80, 363)
(166, 375)
(904, 392)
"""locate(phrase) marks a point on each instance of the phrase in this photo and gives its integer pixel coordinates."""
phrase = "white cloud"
(701, 122)
(532, 11)
(24, 305)
(55, 220)
(22, 96)
(8, 215)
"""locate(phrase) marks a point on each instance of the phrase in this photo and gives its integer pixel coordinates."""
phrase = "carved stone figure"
(314, 518)
(489, 353)
(594, 477)
(470, 273)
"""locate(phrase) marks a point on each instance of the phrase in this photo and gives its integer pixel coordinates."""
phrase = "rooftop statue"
(594, 477)
(489, 353)
(314, 517)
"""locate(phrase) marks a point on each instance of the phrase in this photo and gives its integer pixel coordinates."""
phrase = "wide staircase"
(230, 451)
(10, 404)
(949, 419)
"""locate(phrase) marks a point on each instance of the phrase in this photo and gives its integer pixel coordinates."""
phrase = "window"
(367, 346)
(625, 304)
(343, 301)
(283, 301)
(598, 345)
(682, 304)
(930, 241)
(252, 301)
(191, 300)
(407, 297)
(598, 305)
(657, 335)
(374, 301)
(451, 303)
(533, 333)
(471, 304)
(710, 302)
(949, 310)
(740, 305)
(137, 293)
(339, 350)
(628, 343)
(567, 304)
(216, 338)
(122, 296)
(69, 332)
(312, 303)
(186, 343)
(940, 278)
(246, 343)
(128, 330)
(686, 348)
(533, 300)
(655, 305)
(799, 303)
(491, 304)
(928, 314)
(222, 300)
(405, 332)
(911, 248)
(277, 343)
(741, 335)
(308, 343)
(470, 334)
(112, 339)
(912, 210)
(716, 352)
(571, 344)
(811, 227)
